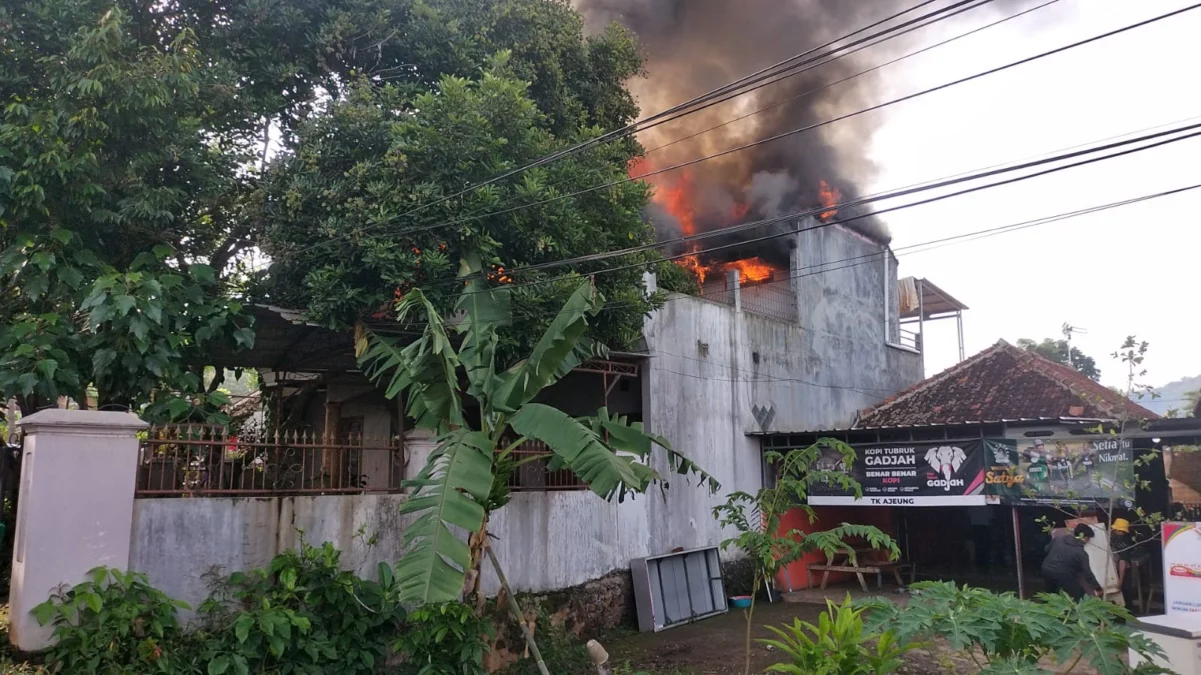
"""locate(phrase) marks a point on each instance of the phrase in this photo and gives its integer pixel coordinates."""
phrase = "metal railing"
(910, 339)
(775, 299)
(198, 460)
(533, 473)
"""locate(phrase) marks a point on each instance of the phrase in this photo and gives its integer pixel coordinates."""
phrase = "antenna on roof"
(1068, 331)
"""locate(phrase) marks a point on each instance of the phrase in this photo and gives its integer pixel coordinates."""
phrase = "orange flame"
(677, 199)
(750, 269)
(829, 197)
(693, 264)
(498, 275)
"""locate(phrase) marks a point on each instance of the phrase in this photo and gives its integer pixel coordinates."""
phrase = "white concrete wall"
(178, 542)
(709, 367)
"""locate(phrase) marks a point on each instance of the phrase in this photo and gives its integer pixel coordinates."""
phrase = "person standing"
(1066, 566)
(1129, 555)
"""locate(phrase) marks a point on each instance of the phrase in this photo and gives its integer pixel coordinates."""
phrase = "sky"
(1115, 273)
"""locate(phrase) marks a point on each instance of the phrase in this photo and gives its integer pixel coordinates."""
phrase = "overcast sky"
(1118, 272)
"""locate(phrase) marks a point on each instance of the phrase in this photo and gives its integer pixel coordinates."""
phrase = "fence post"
(75, 508)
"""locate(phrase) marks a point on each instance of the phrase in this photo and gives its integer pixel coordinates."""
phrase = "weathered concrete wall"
(710, 369)
(178, 542)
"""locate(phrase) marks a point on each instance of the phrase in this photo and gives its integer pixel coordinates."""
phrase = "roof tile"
(1002, 382)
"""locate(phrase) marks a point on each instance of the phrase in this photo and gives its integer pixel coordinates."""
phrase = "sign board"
(1182, 568)
(1060, 471)
(908, 474)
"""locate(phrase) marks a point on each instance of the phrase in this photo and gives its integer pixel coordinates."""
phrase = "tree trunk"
(477, 542)
(750, 613)
(516, 610)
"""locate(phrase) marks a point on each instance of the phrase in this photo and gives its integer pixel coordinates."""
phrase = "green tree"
(135, 137)
(1060, 351)
(482, 409)
(342, 249)
(111, 201)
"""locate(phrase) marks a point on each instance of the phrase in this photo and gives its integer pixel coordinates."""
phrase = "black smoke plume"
(695, 46)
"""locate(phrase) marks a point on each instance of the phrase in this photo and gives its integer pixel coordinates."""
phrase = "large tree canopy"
(334, 207)
(115, 196)
(135, 176)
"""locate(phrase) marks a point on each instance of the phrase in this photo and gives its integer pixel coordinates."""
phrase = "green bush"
(444, 639)
(1003, 633)
(838, 645)
(115, 622)
(302, 614)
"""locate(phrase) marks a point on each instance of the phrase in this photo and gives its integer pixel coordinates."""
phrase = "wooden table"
(843, 562)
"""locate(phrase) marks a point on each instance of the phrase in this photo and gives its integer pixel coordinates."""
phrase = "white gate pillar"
(75, 510)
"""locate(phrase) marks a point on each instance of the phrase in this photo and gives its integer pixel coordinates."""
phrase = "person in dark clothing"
(1066, 565)
(1129, 557)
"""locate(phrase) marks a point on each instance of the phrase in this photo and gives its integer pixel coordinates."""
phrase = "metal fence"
(775, 299)
(533, 474)
(197, 460)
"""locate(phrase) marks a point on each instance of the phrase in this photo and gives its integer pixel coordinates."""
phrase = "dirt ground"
(708, 647)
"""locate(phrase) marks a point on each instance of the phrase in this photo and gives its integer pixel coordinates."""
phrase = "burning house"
(798, 325)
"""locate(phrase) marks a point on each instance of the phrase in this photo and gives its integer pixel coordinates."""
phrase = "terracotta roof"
(1002, 382)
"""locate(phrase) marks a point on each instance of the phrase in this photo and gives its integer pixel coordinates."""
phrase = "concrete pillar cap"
(65, 421)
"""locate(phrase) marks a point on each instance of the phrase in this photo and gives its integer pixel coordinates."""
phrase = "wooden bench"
(842, 562)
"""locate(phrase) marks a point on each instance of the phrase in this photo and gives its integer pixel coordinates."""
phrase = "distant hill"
(1171, 395)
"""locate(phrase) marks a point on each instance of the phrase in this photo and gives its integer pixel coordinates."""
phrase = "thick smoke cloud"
(694, 46)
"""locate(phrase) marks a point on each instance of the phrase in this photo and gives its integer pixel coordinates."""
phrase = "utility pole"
(1069, 330)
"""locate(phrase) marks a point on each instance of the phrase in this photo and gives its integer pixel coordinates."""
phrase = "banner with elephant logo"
(939, 473)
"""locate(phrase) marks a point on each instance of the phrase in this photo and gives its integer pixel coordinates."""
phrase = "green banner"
(1059, 471)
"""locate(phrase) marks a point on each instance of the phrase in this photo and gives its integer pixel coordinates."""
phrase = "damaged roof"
(1002, 382)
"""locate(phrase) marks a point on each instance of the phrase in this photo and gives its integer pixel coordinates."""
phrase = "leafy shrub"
(838, 645)
(1012, 634)
(115, 622)
(302, 614)
(444, 639)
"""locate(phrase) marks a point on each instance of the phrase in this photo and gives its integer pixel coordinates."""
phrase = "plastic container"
(740, 601)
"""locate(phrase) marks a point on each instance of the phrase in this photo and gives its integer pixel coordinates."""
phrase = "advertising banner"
(908, 474)
(1182, 568)
(1085, 471)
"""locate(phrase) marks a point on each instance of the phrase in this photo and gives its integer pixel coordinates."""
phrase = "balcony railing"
(775, 299)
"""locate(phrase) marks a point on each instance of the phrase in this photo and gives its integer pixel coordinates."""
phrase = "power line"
(596, 257)
(856, 75)
(651, 122)
(661, 116)
(881, 211)
(791, 99)
(879, 106)
(870, 258)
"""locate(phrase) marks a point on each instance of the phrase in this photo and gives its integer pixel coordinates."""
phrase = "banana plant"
(464, 479)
